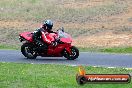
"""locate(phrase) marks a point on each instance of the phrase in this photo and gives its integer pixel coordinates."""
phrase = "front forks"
(68, 49)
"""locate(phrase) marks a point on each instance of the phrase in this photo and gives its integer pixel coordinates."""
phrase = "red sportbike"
(63, 48)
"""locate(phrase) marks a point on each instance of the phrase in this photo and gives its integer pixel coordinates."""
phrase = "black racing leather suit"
(38, 40)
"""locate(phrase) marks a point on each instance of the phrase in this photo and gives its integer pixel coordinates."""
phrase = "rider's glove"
(57, 39)
(39, 44)
(54, 43)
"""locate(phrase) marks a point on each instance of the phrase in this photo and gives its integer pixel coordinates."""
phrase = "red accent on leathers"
(48, 37)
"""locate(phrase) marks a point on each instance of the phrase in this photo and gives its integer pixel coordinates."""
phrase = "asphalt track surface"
(85, 58)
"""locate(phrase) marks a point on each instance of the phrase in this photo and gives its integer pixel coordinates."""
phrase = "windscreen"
(62, 34)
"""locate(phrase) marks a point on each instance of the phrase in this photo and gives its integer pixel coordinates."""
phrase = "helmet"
(48, 24)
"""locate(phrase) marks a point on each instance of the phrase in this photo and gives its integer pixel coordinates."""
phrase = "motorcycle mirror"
(62, 29)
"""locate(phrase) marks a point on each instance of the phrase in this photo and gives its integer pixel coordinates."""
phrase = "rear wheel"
(74, 53)
(27, 51)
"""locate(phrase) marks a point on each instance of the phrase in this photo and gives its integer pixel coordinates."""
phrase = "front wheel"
(27, 51)
(74, 53)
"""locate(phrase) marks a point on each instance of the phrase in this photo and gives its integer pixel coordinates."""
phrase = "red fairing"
(67, 40)
(56, 51)
(27, 36)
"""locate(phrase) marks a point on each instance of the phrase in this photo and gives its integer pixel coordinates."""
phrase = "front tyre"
(27, 51)
(74, 53)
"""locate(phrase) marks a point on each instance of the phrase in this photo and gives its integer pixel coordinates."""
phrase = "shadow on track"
(48, 60)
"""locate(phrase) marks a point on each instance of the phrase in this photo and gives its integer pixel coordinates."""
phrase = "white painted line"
(73, 65)
(111, 67)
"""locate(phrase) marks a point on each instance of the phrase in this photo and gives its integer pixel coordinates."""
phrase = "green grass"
(109, 50)
(9, 47)
(13, 75)
(83, 49)
(118, 50)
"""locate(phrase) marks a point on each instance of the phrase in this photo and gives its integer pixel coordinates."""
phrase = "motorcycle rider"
(45, 29)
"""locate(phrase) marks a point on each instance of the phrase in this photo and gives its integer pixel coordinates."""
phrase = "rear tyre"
(27, 51)
(74, 53)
